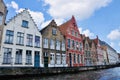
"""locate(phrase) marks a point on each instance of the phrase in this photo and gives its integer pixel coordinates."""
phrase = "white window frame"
(63, 45)
(52, 44)
(52, 58)
(63, 58)
(57, 45)
(45, 43)
(58, 58)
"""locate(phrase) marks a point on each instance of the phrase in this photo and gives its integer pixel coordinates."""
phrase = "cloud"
(59, 21)
(36, 15)
(114, 34)
(119, 44)
(44, 24)
(13, 5)
(87, 32)
(82, 9)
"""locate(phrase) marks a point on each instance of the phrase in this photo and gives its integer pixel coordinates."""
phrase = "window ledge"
(18, 63)
(36, 47)
(8, 43)
(20, 44)
(6, 63)
(29, 46)
(28, 63)
(24, 26)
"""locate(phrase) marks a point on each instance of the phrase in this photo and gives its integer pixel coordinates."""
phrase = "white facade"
(112, 56)
(21, 42)
(100, 56)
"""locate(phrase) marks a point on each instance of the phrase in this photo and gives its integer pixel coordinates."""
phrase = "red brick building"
(74, 43)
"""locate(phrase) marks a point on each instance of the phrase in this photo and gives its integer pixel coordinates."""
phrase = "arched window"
(1, 18)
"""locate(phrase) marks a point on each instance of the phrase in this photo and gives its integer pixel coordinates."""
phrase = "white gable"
(16, 22)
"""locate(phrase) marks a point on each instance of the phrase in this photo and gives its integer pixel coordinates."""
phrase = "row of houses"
(22, 44)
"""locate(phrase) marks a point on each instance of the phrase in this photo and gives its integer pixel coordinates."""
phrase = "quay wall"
(29, 71)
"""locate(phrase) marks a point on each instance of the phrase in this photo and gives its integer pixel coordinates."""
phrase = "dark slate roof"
(103, 43)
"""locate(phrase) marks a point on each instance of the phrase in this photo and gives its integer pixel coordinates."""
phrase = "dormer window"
(54, 31)
(25, 23)
(1, 18)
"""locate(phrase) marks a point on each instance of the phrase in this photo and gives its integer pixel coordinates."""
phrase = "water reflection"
(106, 74)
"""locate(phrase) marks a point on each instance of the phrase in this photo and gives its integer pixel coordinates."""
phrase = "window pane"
(52, 58)
(20, 38)
(28, 57)
(7, 56)
(58, 58)
(37, 41)
(24, 23)
(45, 43)
(57, 45)
(18, 58)
(63, 46)
(29, 40)
(68, 43)
(52, 44)
(9, 36)
(54, 31)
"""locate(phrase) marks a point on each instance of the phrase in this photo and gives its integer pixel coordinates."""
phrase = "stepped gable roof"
(25, 10)
(86, 38)
(52, 23)
(96, 41)
(66, 25)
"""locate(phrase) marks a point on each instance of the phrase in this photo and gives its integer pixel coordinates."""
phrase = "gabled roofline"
(20, 14)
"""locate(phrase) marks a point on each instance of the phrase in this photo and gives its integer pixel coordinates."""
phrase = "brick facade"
(54, 49)
(73, 42)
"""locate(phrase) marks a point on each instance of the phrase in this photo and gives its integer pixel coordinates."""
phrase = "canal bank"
(7, 72)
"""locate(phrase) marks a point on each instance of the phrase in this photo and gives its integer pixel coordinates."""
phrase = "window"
(52, 44)
(63, 59)
(28, 57)
(58, 58)
(57, 45)
(52, 58)
(45, 54)
(86, 46)
(81, 59)
(18, 58)
(7, 56)
(24, 23)
(37, 41)
(73, 33)
(54, 31)
(77, 46)
(76, 34)
(1, 18)
(20, 38)
(73, 44)
(63, 46)
(29, 40)
(81, 46)
(68, 45)
(74, 58)
(9, 37)
(45, 43)
(78, 58)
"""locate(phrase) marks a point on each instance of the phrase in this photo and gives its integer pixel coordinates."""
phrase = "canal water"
(106, 74)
